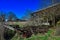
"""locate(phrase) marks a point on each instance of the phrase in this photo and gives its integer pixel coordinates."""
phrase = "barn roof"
(46, 7)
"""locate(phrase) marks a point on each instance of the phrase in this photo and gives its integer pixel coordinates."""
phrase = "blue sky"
(19, 7)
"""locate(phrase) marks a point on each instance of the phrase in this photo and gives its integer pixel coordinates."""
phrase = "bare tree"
(11, 16)
(55, 1)
(27, 14)
(2, 16)
(2, 20)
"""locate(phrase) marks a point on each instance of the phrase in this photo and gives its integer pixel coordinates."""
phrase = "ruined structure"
(50, 14)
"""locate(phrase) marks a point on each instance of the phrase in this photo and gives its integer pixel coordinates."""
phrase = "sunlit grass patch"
(48, 36)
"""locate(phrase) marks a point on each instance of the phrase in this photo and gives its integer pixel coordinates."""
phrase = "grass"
(48, 36)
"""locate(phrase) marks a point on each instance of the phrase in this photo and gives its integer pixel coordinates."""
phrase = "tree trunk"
(1, 32)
